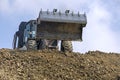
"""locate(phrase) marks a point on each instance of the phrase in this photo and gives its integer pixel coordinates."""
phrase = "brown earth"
(55, 65)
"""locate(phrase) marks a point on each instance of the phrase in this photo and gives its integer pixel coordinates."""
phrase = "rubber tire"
(66, 46)
(41, 44)
(31, 45)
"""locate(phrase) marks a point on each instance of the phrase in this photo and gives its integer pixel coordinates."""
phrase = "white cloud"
(98, 34)
(4, 5)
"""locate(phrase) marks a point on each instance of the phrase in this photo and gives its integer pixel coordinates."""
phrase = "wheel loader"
(48, 29)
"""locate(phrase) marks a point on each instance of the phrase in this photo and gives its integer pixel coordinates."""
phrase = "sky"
(101, 33)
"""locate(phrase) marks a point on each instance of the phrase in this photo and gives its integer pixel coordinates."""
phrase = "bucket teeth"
(78, 14)
(47, 11)
(59, 12)
(84, 14)
(41, 11)
(72, 13)
(54, 11)
(67, 11)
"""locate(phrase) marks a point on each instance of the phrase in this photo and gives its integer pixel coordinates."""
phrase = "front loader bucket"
(60, 26)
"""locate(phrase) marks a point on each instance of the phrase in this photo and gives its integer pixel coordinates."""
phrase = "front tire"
(66, 46)
(41, 44)
(31, 45)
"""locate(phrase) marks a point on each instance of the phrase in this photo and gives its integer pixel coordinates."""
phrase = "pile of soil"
(56, 65)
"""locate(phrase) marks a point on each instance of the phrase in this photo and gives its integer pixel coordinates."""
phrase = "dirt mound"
(55, 65)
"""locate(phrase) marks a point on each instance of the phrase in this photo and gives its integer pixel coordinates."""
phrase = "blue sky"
(101, 33)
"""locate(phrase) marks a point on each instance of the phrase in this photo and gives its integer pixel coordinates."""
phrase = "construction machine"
(48, 29)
